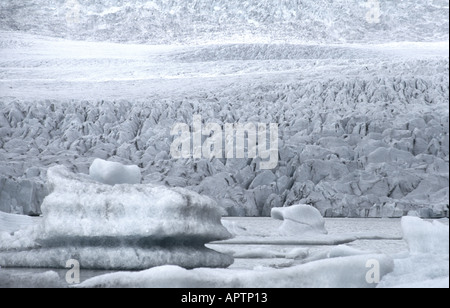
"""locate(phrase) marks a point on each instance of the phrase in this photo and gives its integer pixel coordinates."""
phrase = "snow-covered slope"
(162, 21)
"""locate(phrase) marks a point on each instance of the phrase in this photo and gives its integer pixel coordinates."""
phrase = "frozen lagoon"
(178, 239)
(251, 259)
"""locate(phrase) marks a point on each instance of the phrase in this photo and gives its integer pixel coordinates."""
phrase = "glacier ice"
(79, 208)
(113, 257)
(425, 237)
(344, 251)
(331, 266)
(113, 173)
(357, 161)
(427, 263)
(149, 21)
(362, 112)
(117, 227)
(344, 272)
(23, 196)
(299, 219)
(48, 279)
(11, 223)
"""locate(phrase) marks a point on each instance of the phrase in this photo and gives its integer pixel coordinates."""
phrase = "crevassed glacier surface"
(362, 107)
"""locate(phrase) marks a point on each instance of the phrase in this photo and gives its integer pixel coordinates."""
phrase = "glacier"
(371, 143)
(361, 106)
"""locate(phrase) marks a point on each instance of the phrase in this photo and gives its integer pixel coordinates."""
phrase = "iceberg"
(427, 263)
(425, 237)
(299, 219)
(112, 173)
(126, 227)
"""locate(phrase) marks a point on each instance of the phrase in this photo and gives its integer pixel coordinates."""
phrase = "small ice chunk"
(234, 228)
(425, 237)
(299, 219)
(29, 279)
(427, 265)
(112, 173)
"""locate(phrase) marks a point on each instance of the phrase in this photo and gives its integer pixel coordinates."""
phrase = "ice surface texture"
(427, 265)
(346, 272)
(425, 237)
(162, 21)
(299, 219)
(112, 173)
(81, 209)
(11, 223)
(116, 258)
(121, 227)
(48, 279)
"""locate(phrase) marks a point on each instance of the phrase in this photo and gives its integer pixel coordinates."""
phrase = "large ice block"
(119, 227)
